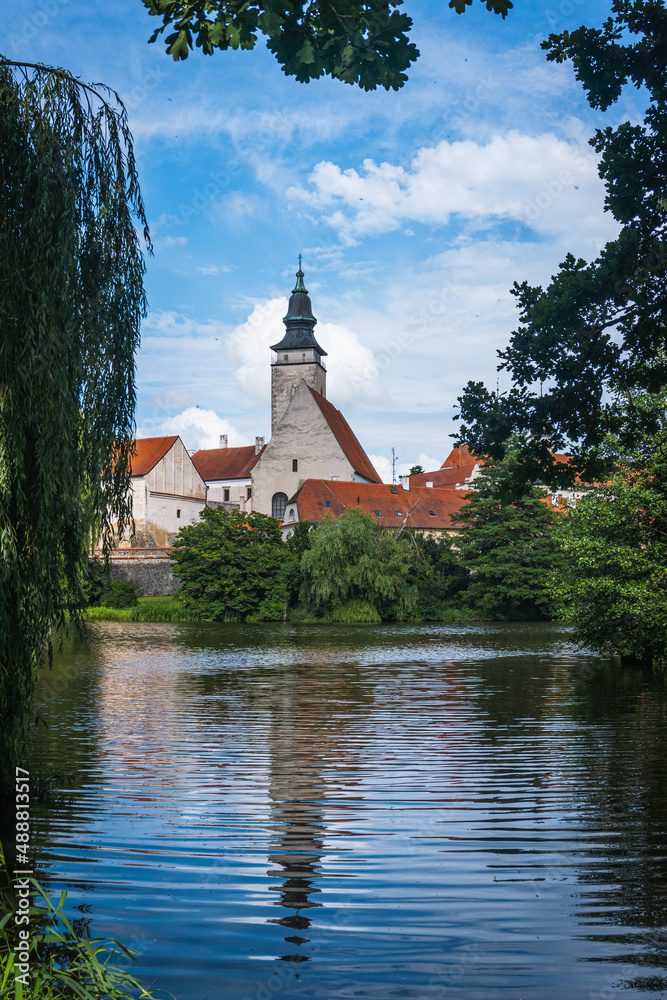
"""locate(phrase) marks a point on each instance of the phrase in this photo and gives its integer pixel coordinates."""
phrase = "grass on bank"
(150, 609)
(169, 609)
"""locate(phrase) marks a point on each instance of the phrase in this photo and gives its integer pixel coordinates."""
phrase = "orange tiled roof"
(147, 452)
(444, 478)
(433, 511)
(225, 463)
(343, 433)
(459, 456)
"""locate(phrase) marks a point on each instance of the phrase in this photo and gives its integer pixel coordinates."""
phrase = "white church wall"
(302, 434)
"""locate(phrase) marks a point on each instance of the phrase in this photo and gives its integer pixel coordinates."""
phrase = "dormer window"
(432, 513)
(378, 513)
(399, 513)
(327, 503)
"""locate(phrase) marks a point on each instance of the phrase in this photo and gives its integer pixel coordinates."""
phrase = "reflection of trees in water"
(624, 759)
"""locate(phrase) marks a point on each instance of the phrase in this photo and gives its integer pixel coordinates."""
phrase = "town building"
(422, 509)
(310, 438)
(458, 471)
(167, 492)
(227, 473)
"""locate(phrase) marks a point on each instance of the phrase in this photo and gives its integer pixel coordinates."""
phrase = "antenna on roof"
(393, 466)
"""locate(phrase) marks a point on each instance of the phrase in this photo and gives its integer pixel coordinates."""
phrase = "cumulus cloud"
(197, 428)
(348, 359)
(542, 182)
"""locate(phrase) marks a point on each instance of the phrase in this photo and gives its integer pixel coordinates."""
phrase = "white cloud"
(348, 359)
(198, 429)
(542, 182)
(213, 270)
(166, 242)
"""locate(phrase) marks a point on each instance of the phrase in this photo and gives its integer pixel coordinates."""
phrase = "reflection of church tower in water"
(301, 793)
(296, 793)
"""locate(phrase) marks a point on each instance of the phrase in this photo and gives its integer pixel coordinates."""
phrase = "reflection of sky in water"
(373, 812)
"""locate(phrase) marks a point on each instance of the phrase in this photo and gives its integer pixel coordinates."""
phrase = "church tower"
(298, 355)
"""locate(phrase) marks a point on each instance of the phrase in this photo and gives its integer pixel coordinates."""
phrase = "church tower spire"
(298, 355)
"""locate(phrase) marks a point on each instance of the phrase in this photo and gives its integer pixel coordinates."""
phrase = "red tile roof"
(312, 497)
(147, 452)
(457, 467)
(459, 456)
(444, 478)
(225, 463)
(343, 433)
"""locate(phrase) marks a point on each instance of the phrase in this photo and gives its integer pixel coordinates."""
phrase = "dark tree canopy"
(507, 545)
(364, 42)
(71, 300)
(593, 342)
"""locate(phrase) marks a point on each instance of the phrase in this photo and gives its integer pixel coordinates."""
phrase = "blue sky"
(415, 211)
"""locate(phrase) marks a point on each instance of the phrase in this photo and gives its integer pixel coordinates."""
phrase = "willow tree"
(71, 301)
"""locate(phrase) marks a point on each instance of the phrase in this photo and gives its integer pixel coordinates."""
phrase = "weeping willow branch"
(71, 302)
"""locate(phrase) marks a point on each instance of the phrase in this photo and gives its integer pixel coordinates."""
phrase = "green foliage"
(234, 567)
(508, 546)
(354, 560)
(119, 594)
(65, 962)
(364, 42)
(71, 300)
(416, 470)
(445, 579)
(612, 583)
(300, 539)
(351, 612)
(96, 581)
(595, 337)
(160, 609)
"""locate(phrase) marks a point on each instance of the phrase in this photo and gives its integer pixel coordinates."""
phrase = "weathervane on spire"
(299, 261)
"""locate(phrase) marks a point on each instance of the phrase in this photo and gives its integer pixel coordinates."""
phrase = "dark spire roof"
(299, 321)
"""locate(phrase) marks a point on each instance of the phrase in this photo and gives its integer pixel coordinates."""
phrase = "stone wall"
(149, 570)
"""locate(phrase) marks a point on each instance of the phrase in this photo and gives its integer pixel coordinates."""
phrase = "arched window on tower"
(278, 504)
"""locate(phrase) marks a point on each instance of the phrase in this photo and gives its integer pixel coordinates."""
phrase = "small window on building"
(292, 514)
(278, 504)
(378, 513)
(226, 494)
(303, 356)
(285, 357)
(399, 513)
(327, 503)
(432, 513)
(178, 512)
(295, 465)
(248, 492)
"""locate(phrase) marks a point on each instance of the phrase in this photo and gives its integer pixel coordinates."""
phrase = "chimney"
(259, 444)
(224, 441)
(405, 483)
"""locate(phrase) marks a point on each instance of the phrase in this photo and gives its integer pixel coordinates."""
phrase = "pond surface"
(361, 811)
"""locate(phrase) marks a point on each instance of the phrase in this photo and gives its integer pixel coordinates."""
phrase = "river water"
(360, 811)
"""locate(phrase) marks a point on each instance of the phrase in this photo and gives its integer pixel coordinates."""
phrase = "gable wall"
(304, 434)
